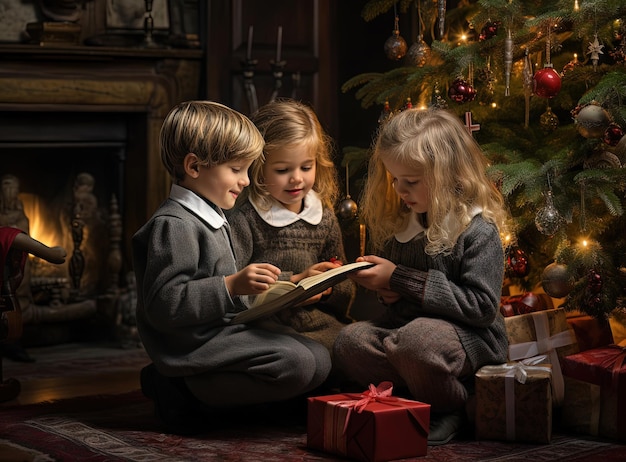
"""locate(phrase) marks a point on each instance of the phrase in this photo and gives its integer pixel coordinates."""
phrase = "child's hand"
(253, 279)
(387, 297)
(315, 269)
(376, 277)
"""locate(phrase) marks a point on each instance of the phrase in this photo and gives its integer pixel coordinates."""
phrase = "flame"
(42, 226)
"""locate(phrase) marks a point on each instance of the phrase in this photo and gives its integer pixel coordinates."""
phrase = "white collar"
(277, 215)
(414, 227)
(196, 204)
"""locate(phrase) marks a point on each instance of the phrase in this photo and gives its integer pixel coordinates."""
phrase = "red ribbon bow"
(381, 393)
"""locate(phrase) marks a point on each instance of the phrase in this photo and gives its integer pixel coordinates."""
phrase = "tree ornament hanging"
(591, 120)
(516, 263)
(547, 81)
(441, 16)
(619, 52)
(549, 121)
(595, 50)
(508, 62)
(419, 52)
(613, 134)
(555, 280)
(436, 100)
(489, 30)
(461, 90)
(574, 63)
(385, 114)
(347, 207)
(395, 46)
(602, 159)
(548, 220)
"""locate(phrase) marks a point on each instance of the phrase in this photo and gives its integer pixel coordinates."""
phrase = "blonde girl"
(288, 219)
(435, 219)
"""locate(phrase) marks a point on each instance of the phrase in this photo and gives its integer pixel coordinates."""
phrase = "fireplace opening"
(69, 170)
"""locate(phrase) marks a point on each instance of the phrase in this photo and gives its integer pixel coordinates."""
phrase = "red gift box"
(528, 302)
(372, 426)
(605, 367)
(590, 332)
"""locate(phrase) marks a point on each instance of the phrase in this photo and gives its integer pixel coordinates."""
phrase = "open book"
(285, 294)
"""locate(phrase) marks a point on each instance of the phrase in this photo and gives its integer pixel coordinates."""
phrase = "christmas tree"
(542, 87)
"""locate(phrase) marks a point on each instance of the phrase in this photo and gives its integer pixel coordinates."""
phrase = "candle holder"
(248, 83)
(277, 72)
(148, 27)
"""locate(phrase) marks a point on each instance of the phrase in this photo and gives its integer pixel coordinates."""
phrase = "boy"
(189, 287)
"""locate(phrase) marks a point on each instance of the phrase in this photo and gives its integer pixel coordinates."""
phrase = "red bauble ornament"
(613, 134)
(489, 30)
(546, 82)
(461, 91)
(517, 263)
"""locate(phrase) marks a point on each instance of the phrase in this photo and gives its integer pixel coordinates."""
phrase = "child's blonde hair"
(435, 143)
(286, 122)
(213, 132)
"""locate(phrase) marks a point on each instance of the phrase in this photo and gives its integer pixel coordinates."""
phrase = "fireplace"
(63, 121)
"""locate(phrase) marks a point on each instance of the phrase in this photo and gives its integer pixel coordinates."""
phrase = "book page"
(306, 288)
(309, 282)
(276, 290)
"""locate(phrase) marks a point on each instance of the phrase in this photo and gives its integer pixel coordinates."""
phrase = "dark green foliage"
(528, 158)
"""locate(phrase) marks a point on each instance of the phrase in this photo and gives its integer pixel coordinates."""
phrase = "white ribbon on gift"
(512, 372)
(545, 344)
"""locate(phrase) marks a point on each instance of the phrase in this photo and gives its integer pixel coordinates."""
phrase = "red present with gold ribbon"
(372, 426)
(604, 367)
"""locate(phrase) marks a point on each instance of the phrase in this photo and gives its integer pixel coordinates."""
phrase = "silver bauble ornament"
(548, 219)
(419, 53)
(592, 121)
(347, 208)
(555, 280)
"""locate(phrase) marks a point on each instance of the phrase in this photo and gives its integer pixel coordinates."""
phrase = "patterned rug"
(122, 428)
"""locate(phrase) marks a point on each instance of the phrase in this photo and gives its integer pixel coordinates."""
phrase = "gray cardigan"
(463, 288)
(183, 305)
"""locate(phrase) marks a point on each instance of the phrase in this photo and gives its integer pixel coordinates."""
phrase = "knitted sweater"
(292, 248)
(463, 288)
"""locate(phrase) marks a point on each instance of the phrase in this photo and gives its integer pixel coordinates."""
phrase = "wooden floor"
(36, 390)
(51, 389)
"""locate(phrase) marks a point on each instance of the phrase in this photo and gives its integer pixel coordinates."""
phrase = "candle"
(250, 32)
(279, 43)
(362, 238)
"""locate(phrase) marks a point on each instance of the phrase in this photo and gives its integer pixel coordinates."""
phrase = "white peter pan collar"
(277, 215)
(414, 227)
(196, 204)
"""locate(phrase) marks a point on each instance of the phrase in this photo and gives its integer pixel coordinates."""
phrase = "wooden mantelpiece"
(139, 85)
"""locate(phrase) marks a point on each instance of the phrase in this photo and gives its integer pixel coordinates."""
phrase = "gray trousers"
(424, 355)
(268, 364)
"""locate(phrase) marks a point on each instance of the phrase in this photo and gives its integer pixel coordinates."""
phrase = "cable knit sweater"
(294, 247)
(463, 288)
